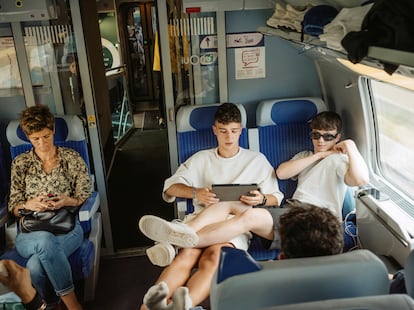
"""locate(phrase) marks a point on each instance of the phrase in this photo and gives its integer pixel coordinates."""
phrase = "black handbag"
(58, 222)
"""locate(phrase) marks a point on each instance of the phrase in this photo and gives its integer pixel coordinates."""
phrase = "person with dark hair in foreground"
(306, 230)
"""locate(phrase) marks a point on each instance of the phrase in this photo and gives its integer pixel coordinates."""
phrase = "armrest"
(89, 207)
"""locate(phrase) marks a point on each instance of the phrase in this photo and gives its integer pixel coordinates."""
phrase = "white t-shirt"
(322, 183)
(206, 167)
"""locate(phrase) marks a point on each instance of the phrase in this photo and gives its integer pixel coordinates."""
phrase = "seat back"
(283, 129)
(194, 129)
(353, 274)
(377, 302)
(195, 133)
(409, 274)
(69, 132)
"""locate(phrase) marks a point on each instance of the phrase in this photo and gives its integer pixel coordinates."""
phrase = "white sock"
(156, 297)
(181, 299)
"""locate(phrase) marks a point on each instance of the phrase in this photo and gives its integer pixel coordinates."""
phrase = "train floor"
(123, 282)
(140, 166)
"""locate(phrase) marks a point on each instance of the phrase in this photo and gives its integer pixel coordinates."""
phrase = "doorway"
(138, 28)
(141, 162)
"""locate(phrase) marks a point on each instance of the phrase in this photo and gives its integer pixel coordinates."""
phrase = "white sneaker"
(163, 231)
(161, 254)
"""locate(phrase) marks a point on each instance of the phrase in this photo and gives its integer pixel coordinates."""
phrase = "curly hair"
(34, 119)
(227, 113)
(307, 230)
(327, 120)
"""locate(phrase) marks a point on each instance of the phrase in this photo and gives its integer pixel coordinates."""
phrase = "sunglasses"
(326, 136)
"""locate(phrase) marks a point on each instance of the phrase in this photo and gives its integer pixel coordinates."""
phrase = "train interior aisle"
(141, 159)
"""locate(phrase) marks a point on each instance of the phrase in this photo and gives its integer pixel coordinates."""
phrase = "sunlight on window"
(395, 124)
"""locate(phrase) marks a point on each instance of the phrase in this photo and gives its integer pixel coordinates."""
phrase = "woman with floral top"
(47, 170)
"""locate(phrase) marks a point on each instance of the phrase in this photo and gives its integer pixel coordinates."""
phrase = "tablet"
(232, 192)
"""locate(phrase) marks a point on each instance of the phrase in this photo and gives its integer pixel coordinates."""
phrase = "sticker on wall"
(91, 121)
(244, 39)
(208, 42)
(250, 63)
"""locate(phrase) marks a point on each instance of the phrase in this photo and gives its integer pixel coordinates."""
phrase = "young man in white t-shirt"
(324, 174)
(215, 224)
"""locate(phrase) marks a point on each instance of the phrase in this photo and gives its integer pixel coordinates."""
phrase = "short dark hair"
(307, 230)
(227, 113)
(327, 120)
(36, 118)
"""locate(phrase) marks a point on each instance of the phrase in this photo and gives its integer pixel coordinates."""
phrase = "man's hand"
(345, 146)
(255, 198)
(206, 196)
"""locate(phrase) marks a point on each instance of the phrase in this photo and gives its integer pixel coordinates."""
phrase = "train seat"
(289, 281)
(377, 302)
(409, 274)
(283, 131)
(194, 133)
(69, 132)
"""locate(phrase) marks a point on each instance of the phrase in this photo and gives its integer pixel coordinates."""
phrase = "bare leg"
(199, 282)
(256, 220)
(178, 272)
(216, 213)
(71, 302)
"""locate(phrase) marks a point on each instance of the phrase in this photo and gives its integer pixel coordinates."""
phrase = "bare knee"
(211, 255)
(187, 257)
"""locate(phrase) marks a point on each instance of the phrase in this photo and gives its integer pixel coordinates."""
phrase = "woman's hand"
(37, 204)
(60, 201)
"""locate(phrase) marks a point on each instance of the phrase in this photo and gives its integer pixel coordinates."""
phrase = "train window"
(394, 113)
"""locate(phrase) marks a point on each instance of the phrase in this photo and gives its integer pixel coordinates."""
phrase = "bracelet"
(194, 192)
(36, 303)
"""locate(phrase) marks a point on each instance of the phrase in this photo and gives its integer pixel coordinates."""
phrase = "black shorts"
(276, 213)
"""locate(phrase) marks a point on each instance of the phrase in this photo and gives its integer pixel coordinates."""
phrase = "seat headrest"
(201, 117)
(67, 128)
(288, 110)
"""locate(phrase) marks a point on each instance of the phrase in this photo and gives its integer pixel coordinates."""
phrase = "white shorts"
(241, 242)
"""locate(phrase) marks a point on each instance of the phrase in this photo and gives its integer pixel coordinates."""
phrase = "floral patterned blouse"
(28, 179)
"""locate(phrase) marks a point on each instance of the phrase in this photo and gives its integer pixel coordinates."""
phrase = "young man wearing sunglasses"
(324, 174)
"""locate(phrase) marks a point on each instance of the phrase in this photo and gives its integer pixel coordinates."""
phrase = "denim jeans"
(48, 260)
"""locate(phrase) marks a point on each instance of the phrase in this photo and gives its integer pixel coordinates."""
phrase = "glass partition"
(122, 119)
(194, 57)
(38, 65)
